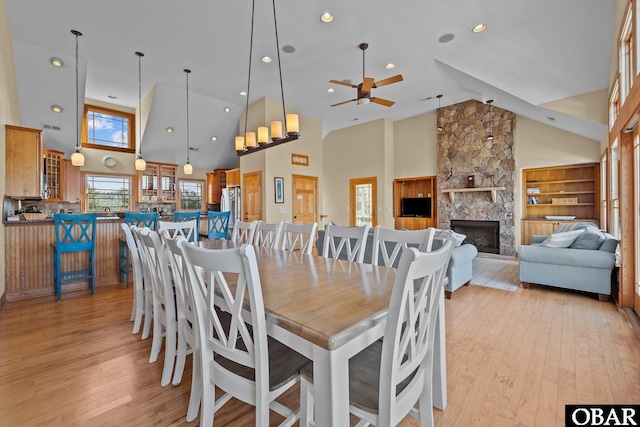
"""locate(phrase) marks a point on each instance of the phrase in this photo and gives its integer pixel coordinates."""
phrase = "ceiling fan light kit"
(251, 141)
(363, 96)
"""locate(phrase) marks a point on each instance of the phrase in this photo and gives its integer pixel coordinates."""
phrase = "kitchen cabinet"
(53, 172)
(233, 177)
(157, 183)
(72, 183)
(24, 163)
(216, 181)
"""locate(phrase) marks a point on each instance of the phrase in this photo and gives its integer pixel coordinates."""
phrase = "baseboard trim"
(633, 318)
(3, 302)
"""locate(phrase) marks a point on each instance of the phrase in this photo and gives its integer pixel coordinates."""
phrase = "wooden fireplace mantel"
(493, 191)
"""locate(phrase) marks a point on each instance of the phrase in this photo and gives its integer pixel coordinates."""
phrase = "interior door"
(304, 194)
(252, 196)
(363, 201)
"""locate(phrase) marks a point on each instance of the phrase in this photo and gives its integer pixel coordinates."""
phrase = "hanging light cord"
(246, 110)
(77, 33)
(275, 23)
(140, 55)
(187, 71)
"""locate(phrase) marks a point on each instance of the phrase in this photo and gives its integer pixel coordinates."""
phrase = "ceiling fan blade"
(367, 84)
(343, 102)
(338, 82)
(388, 81)
(381, 101)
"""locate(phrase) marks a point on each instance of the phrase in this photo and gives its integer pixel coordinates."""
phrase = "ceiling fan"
(364, 88)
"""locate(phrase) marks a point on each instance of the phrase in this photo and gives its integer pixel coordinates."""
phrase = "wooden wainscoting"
(29, 259)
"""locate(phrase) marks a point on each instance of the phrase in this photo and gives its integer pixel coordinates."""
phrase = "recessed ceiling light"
(446, 38)
(331, 90)
(266, 59)
(326, 17)
(243, 93)
(479, 28)
(112, 96)
(288, 48)
(56, 62)
(214, 138)
(390, 66)
(227, 109)
(56, 108)
(169, 129)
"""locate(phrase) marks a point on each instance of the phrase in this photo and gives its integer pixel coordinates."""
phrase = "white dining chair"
(186, 229)
(391, 243)
(268, 235)
(239, 359)
(137, 310)
(164, 305)
(186, 321)
(298, 237)
(137, 233)
(353, 240)
(389, 377)
(244, 232)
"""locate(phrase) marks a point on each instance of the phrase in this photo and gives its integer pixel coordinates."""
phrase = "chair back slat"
(75, 232)
(269, 235)
(217, 224)
(299, 237)
(352, 240)
(188, 216)
(244, 232)
(142, 219)
(187, 229)
(391, 243)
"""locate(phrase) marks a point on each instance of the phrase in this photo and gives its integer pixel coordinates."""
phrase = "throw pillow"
(457, 236)
(591, 239)
(562, 239)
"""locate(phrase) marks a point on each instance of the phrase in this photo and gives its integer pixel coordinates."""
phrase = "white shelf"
(493, 191)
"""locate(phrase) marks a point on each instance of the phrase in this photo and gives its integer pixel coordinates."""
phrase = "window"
(603, 191)
(191, 195)
(107, 192)
(614, 103)
(614, 208)
(626, 54)
(108, 129)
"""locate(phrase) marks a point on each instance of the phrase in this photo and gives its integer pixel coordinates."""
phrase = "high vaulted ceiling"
(531, 54)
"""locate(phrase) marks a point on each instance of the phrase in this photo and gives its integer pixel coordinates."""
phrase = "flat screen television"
(416, 206)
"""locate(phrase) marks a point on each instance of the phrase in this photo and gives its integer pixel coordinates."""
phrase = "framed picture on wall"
(279, 189)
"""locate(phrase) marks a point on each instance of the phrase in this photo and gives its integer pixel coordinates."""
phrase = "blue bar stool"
(217, 224)
(188, 216)
(74, 233)
(140, 220)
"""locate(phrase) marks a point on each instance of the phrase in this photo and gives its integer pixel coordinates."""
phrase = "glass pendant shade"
(239, 143)
(188, 169)
(140, 164)
(293, 125)
(77, 159)
(263, 135)
(276, 130)
(250, 140)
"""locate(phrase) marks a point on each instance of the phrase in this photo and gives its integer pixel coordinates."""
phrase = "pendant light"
(77, 158)
(438, 114)
(140, 163)
(188, 169)
(490, 136)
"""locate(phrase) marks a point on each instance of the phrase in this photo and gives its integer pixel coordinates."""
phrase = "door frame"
(373, 180)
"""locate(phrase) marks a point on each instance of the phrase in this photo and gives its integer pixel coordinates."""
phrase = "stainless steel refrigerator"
(231, 201)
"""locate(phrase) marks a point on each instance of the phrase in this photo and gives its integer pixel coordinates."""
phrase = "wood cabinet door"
(252, 196)
(71, 189)
(53, 170)
(24, 162)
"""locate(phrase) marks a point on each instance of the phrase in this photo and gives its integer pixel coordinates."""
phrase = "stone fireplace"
(484, 235)
(464, 151)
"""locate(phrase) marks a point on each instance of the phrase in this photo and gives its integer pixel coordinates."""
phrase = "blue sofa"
(460, 265)
(580, 269)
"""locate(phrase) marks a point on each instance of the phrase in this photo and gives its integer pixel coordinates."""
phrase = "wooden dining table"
(329, 310)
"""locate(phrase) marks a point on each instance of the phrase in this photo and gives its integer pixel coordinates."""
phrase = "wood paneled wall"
(29, 259)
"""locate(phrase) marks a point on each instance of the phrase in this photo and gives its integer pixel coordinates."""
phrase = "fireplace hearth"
(484, 235)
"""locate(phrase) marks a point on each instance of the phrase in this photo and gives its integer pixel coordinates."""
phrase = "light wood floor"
(513, 359)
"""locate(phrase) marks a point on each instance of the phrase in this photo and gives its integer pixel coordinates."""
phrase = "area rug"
(495, 273)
